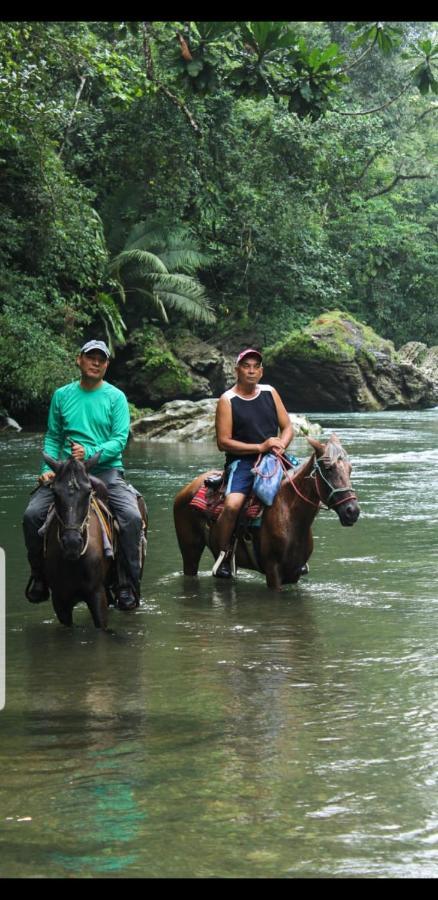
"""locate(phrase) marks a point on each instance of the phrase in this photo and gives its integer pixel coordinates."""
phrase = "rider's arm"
(285, 424)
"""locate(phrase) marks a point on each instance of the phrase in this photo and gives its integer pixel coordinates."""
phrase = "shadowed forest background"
(230, 179)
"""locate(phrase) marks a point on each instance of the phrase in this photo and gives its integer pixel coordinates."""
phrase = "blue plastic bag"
(268, 473)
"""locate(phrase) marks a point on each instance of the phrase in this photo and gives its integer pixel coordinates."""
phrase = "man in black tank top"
(248, 419)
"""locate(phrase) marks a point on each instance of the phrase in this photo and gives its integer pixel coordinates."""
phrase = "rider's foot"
(304, 570)
(36, 590)
(127, 599)
(223, 570)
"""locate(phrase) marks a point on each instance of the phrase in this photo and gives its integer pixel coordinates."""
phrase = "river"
(222, 730)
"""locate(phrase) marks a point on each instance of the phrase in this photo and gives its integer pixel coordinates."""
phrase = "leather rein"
(315, 474)
(80, 527)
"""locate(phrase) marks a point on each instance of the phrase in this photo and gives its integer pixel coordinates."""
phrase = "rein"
(79, 527)
(316, 471)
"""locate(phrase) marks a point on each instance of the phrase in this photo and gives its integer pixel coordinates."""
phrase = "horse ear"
(317, 446)
(92, 461)
(55, 464)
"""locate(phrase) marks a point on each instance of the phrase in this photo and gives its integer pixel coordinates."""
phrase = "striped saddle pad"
(210, 501)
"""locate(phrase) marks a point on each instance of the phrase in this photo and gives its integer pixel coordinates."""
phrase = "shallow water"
(221, 730)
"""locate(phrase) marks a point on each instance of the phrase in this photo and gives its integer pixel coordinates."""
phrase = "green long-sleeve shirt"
(99, 420)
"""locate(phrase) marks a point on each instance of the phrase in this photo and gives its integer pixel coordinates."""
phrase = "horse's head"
(72, 492)
(332, 479)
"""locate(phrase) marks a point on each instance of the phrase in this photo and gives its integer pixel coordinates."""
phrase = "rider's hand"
(77, 451)
(46, 477)
(272, 445)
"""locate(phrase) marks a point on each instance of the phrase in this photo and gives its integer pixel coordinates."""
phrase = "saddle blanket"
(211, 502)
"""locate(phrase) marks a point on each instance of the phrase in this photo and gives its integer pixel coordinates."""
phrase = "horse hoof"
(127, 600)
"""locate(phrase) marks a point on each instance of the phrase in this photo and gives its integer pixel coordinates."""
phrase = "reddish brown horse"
(283, 543)
(75, 563)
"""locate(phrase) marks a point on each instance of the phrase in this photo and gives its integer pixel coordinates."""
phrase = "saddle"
(210, 498)
(107, 522)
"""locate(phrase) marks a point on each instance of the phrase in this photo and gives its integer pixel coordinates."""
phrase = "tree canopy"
(235, 175)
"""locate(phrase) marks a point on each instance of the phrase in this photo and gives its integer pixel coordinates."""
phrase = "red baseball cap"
(248, 352)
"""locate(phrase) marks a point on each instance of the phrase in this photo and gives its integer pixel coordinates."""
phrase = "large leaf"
(147, 262)
(112, 319)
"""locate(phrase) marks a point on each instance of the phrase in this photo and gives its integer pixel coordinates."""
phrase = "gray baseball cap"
(96, 345)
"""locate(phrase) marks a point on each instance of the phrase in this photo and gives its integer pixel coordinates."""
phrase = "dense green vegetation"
(237, 177)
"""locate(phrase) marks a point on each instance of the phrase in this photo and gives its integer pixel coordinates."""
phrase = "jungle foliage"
(240, 176)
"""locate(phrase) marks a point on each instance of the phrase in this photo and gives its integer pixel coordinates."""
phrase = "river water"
(222, 730)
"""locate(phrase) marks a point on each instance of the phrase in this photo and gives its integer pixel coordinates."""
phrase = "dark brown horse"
(283, 543)
(75, 564)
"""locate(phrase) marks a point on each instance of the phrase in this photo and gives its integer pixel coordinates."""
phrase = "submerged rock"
(6, 422)
(186, 420)
(338, 364)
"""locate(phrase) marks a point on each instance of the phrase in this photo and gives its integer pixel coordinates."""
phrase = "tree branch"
(426, 112)
(147, 51)
(370, 161)
(358, 60)
(395, 181)
(162, 87)
(368, 112)
(83, 80)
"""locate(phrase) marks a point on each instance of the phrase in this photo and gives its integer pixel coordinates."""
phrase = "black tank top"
(254, 420)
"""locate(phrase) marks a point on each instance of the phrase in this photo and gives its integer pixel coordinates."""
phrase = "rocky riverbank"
(338, 364)
(185, 420)
(335, 363)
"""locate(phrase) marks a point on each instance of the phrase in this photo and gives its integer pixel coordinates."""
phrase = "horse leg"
(191, 539)
(98, 607)
(64, 613)
(273, 575)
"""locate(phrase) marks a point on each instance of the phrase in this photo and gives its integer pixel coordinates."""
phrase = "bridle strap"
(292, 483)
(77, 527)
(314, 474)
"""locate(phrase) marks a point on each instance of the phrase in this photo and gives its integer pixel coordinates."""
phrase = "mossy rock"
(339, 364)
(332, 336)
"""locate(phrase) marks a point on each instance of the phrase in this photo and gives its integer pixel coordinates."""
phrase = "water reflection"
(222, 729)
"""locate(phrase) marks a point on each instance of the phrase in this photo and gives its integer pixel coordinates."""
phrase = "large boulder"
(185, 420)
(422, 357)
(154, 367)
(205, 361)
(338, 364)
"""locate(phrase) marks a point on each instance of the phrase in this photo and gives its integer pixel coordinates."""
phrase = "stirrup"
(225, 556)
(219, 561)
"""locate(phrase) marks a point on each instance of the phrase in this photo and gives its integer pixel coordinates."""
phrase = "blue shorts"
(238, 475)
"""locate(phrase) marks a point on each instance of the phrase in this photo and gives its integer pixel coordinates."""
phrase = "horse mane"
(333, 449)
(99, 488)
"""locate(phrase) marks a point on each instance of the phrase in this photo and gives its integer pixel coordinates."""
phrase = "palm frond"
(147, 262)
(192, 309)
(149, 236)
(178, 284)
(158, 262)
(183, 293)
(175, 245)
(184, 259)
(154, 300)
(111, 318)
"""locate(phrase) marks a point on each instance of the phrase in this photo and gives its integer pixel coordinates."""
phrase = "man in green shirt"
(85, 417)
